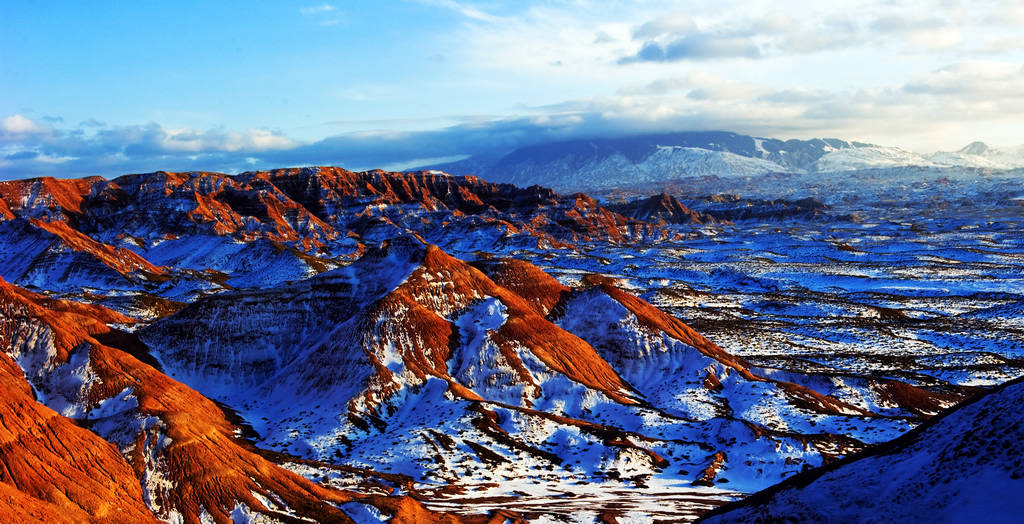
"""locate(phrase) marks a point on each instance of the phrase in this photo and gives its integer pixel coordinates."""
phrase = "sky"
(90, 88)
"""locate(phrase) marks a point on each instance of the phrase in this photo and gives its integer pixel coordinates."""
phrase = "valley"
(400, 343)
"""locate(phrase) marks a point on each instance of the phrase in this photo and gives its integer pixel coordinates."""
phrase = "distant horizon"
(235, 86)
(429, 164)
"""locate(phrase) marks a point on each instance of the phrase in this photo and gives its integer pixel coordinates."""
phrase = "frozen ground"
(924, 286)
(932, 296)
(929, 296)
(922, 295)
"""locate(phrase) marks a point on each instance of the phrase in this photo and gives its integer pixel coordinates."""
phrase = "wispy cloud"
(325, 14)
(671, 37)
(463, 8)
(17, 126)
(318, 9)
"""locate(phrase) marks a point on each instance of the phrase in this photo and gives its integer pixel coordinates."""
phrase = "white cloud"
(697, 85)
(19, 125)
(325, 14)
(973, 80)
(670, 24)
(464, 9)
(318, 9)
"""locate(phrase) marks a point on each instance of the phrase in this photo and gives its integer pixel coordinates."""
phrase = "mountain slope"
(179, 445)
(617, 162)
(961, 464)
(317, 343)
(720, 161)
(462, 368)
(980, 155)
(180, 235)
(52, 470)
(661, 207)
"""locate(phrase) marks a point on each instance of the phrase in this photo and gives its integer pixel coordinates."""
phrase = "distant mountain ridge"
(606, 163)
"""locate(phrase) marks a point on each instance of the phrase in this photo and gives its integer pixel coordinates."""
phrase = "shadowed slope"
(958, 465)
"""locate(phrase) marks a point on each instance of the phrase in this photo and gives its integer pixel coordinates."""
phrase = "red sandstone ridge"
(662, 208)
(122, 260)
(184, 452)
(45, 196)
(54, 471)
(309, 206)
(656, 320)
(181, 234)
(526, 280)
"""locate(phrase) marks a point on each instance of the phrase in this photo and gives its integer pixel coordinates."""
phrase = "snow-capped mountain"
(615, 162)
(960, 465)
(868, 157)
(648, 161)
(979, 154)
(664, 162)
(974, 155)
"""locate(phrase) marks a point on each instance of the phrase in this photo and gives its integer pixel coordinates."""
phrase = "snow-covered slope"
(872, 157)
(961, 466)
(113, 424)
(974, 155)
(980, 155)
(425, 365)
(681, 162)
(664, 163)
(652, 162)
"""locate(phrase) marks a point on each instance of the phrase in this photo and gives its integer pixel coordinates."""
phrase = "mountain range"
(609, 163)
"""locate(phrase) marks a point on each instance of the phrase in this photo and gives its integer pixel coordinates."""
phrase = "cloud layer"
(933, 102)
(921, 74)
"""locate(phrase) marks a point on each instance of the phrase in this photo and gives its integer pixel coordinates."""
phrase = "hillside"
(961, 464)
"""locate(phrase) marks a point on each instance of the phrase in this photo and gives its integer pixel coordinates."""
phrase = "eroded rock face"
(156, 449)
(662, 207)
(183, 234)
(330, 318)
(455, 364)
(54, 469)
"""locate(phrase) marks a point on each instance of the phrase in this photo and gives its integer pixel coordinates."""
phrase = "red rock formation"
(525, 280)
(52, 470)
(57, 196)
(657, 320)
(661, 208)
(305, 207)
(124, 261)
(192, 445)
(412, 318)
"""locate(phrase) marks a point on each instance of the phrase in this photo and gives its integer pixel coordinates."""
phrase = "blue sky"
(88, 88)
